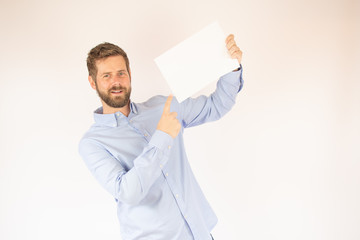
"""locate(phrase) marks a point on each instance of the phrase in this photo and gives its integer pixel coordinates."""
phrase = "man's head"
(109, 74)
(103, 51)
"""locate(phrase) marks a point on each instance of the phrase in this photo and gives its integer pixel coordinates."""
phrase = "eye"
(106, 75)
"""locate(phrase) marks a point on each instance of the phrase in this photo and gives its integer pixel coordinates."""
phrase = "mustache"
(117, 88)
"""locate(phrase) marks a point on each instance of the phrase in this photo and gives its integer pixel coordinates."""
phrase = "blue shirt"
(147, 171)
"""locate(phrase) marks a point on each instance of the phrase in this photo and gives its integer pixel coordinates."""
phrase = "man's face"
(113, 81)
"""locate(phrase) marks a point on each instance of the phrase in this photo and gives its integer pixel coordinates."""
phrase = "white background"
(283, 164)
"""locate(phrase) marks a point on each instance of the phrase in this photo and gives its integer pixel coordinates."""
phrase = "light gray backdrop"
(283, 164)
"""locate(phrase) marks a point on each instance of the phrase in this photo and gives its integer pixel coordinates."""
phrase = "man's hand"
(168, 122)
(233, 49)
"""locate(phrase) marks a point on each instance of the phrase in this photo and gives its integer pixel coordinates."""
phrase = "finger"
(230, 44)
(230, 37)
(168, 104)
(234, 49)
(236, 55)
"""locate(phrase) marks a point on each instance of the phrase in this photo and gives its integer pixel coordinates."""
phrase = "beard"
(115, 101)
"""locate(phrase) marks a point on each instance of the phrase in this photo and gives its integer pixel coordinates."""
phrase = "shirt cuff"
(235, 78)
(238, 69)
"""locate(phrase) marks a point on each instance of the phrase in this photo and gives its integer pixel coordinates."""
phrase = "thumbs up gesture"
(168, 122)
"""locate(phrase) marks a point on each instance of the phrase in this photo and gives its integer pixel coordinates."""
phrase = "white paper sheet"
(194, 63)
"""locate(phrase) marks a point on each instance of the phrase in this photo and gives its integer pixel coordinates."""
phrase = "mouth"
(117, 92)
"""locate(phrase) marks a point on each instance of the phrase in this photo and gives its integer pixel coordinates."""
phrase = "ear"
(92, 82)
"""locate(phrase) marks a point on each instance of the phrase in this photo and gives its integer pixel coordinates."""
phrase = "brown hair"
(102, 51)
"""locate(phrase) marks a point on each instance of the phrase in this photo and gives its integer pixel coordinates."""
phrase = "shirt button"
(167, 174)
(117, 114)
(145, 135)
(161, 165)
(169, 147)
(177, 195)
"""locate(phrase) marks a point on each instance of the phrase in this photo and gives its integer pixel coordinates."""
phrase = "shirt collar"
(133, 108)
(112, 119)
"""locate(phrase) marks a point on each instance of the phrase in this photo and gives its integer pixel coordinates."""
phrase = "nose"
(116, 79)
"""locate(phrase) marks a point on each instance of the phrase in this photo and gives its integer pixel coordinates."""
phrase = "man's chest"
(129, 139)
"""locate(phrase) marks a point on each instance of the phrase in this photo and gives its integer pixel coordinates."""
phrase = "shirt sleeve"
(130, 186)
(196, 111)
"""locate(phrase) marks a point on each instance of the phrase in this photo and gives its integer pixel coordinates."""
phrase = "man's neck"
(124, 110)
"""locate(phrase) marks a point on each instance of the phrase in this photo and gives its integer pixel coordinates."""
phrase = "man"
(136, 150)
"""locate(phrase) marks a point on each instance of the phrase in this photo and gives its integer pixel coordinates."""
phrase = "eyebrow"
(122, 70)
